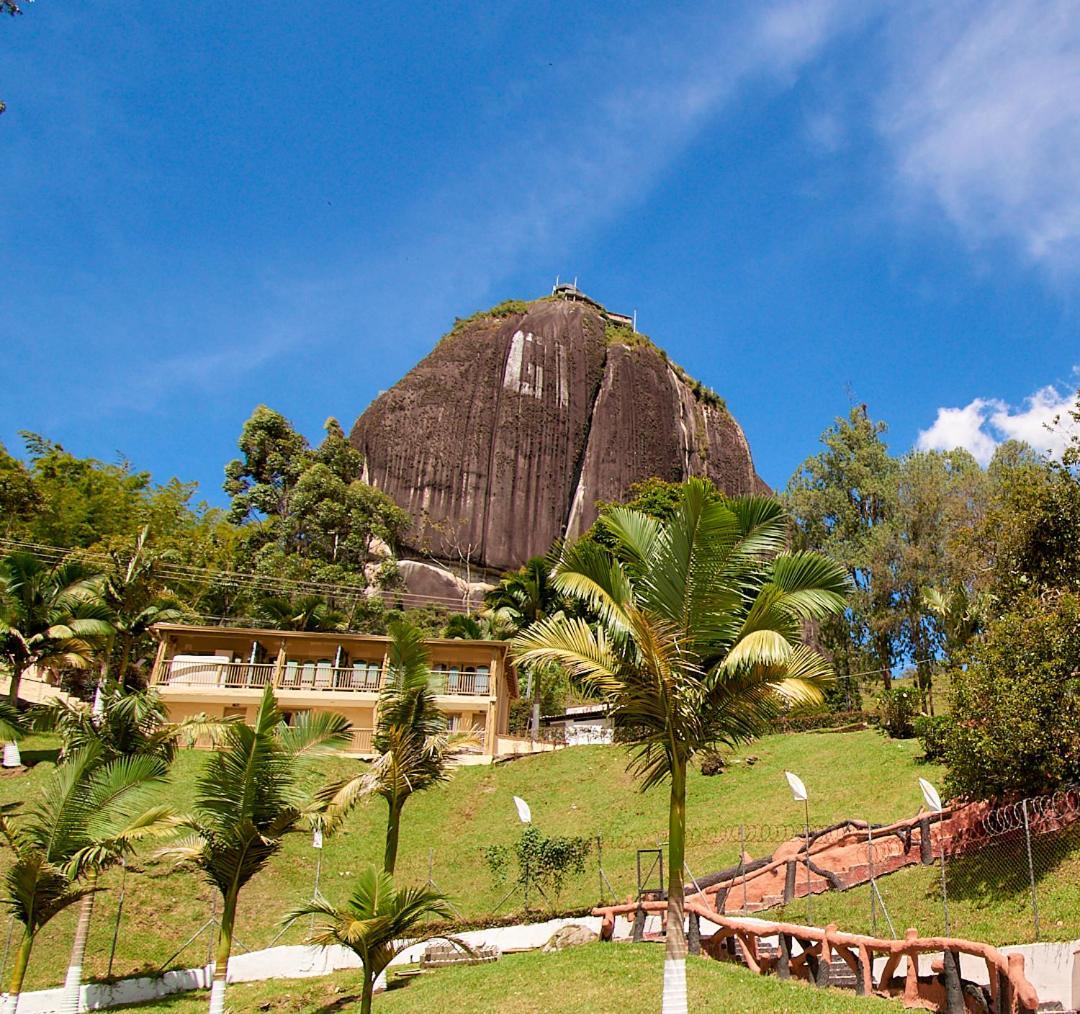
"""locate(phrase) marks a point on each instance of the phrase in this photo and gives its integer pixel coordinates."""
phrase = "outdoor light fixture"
(524, 813)
(800, 795)
(932, 799)
(930, 796)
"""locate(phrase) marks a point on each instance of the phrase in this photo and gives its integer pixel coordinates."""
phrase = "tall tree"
(50, 615)
(247, 799)
(698, 644)
(88, 813)
(842, 501)
(411, 739)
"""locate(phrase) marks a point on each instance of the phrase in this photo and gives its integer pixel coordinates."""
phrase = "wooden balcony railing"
(310, 676)
(315, 676)
(181, 672)
(468, 684)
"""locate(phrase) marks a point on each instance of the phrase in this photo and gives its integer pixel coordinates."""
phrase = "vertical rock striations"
(502, 439)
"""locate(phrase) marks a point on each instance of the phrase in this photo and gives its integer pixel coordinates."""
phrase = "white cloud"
(984, 116)
(984, 423)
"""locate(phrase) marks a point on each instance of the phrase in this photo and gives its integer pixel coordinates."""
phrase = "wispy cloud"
(981, 425)
(983, 114)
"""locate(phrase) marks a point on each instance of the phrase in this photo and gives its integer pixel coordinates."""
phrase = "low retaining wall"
(293, 962)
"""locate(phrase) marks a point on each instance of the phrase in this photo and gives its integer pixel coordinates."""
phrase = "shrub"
(899, 707)
(814, 720)
(543, 862)
(933, 732)
(1016, 705)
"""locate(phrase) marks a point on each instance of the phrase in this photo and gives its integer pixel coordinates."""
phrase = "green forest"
(962, 625)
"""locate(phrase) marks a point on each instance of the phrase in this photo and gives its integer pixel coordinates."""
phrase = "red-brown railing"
(1010, 992)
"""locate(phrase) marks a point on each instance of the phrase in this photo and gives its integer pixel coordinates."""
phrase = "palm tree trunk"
(13, 689)
(393, 827)
(18, 973)
(674, 1000)
(369, 987)
(224, 949)
(73, 981)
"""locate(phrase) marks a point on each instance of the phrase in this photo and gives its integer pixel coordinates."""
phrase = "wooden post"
(783, 968)
(279, 665)
(158, 671)
(864, 975)
(926, 849)
(954, 991)
(693, 936)
(789, 881)
(637, 933)
(823, 969)
(911, 980)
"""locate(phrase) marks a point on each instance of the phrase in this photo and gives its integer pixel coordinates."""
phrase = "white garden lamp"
(12, 757)
(932, 799)
(800, 795)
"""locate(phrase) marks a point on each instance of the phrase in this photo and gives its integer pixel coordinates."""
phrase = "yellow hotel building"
(220, 671)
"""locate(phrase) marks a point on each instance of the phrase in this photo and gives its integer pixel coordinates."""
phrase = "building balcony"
(193, 673)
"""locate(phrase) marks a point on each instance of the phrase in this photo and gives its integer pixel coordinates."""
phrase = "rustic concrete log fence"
(839, 857)
(1009, 991)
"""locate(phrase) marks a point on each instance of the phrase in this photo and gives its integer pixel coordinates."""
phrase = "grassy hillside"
(584, 790)
(585, 979)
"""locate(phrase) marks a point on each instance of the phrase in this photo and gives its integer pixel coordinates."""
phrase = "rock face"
(502, 439)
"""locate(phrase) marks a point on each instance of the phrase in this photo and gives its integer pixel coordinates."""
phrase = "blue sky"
(811, 204)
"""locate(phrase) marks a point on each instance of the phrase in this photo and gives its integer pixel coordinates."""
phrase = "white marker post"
(799, 794)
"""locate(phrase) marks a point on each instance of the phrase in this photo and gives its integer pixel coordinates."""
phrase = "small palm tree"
(89, 815)
(131, 724)
(124, 724)
(376, 923)
(524, 597)
(49, 616)
(247, 799)
(307, 612)
(412, 740)
(696, 644)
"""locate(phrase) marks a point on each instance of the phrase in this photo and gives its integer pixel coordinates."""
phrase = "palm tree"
(132, 591)
(524, 597)
(131, 724)
(376, 923)
(697, 644)
(307, 612)
(89, 815)
(124, 724)
(49, 616)
(412, 740)
(247, 799)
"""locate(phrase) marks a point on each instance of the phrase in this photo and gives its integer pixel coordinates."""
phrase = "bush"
(1015, 725)
(543, 862)
(933, 732)
(810, 721)
(899, 708)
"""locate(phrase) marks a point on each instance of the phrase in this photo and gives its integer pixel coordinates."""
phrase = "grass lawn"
(583, 790)
(597, 977)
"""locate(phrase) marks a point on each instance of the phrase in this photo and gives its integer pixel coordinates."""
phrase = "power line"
(245, 579)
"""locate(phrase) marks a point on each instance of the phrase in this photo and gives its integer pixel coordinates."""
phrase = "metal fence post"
(1031, 868)
(742, 863)
(870, 871)
(944, 888)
